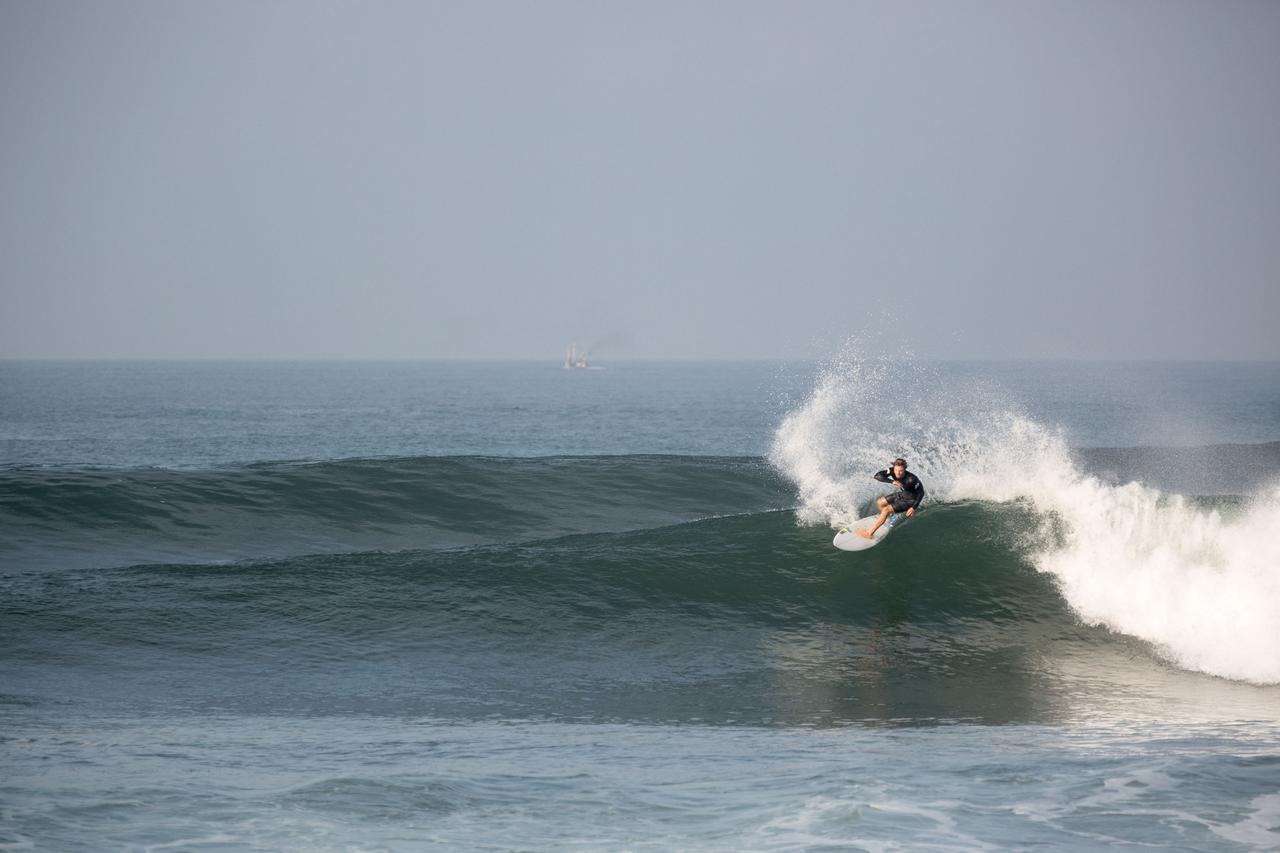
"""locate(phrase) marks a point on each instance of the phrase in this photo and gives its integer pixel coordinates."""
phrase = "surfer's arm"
(885, 476)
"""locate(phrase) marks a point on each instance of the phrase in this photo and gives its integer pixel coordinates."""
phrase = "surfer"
(911, 492)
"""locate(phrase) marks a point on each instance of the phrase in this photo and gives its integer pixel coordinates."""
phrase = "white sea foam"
(1203, 588)
(1260, 829)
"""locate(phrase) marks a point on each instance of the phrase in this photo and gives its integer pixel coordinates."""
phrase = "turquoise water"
(479, 606)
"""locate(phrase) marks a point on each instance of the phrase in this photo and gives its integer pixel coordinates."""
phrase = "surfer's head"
(899, 466)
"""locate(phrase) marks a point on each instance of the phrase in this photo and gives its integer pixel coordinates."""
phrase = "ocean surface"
(508, 606)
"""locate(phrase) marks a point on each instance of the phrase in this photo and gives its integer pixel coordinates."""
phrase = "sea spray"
(1204, 589)
(862, 414)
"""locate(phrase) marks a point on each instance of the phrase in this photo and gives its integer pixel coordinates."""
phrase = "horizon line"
(622, 360)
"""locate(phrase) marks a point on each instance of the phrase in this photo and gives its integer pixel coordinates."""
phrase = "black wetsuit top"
(911, 486)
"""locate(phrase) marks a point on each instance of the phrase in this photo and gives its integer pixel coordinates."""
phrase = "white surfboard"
(848, 539)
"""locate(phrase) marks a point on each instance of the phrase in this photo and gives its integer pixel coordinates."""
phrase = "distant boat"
(573, 359)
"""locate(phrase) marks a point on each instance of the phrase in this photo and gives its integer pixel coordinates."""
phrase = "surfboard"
(848, 540)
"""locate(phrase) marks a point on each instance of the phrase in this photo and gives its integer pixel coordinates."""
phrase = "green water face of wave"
(741, 620)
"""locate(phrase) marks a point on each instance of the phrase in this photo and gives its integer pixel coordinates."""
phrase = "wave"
(745, 618)
(1200, 581)
(752, 567)
(1197, 578)
(99, 517)
(738, 619)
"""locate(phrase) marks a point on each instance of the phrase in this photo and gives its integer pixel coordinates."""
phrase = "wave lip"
(1201, 585)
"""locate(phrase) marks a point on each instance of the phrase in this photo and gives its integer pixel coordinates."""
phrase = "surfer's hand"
(911, 511)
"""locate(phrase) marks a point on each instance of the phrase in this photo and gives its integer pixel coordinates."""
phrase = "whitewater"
(1204, 588)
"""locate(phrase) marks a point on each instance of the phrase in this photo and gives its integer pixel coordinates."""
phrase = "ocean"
(508, 606)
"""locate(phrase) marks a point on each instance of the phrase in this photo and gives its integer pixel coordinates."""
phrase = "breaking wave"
(1201, 583)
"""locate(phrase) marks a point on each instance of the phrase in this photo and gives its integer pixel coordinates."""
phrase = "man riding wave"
(909, 496)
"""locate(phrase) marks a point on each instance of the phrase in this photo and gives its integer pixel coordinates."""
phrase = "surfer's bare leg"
(885, 511)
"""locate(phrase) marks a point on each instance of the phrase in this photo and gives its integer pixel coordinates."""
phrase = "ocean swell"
(94, 517)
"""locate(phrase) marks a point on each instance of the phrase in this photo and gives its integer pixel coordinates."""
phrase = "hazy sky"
(683, 179)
